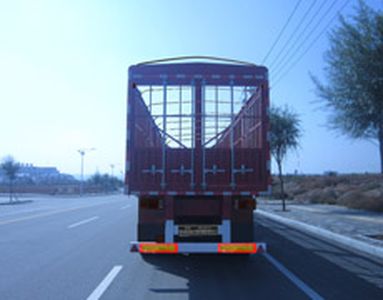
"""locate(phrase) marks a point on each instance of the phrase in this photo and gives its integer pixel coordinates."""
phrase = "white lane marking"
(51, 213)
(101, 288)
(294, 279)
(126, 206)
(82, 222)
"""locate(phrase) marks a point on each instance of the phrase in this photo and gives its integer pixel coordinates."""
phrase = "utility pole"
(82, 153)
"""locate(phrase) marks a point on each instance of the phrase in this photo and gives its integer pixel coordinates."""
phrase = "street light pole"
(82, 153)
(111, 170)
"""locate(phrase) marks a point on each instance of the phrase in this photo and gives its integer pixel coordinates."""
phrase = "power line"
(283, 29)
(301, 34)
(294, 33)
(307, 37)
(311, 44)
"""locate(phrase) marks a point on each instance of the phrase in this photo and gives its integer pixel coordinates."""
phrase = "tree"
(284, 136)
(106, 182)
(10, 168)
(354, 72)
(96, 179)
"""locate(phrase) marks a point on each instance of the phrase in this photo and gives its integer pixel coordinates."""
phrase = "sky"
(63, 73)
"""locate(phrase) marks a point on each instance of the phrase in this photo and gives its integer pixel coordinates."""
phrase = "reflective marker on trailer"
(237, 248)
(134, 247)
(261, 248)
(158, 248)
(176, 248)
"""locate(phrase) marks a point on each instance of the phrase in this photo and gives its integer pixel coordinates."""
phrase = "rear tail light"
(160, 238)
(245, 203)
(151, 203)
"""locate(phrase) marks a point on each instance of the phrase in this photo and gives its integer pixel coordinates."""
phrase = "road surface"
(78, 249)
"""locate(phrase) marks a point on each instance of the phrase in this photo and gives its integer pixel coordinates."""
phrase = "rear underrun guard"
(219, 248)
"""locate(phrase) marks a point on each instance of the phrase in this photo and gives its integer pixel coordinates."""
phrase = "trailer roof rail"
(214, 58)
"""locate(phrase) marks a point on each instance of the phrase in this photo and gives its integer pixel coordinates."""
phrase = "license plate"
(197, 230)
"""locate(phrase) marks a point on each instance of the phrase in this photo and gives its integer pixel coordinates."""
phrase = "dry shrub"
(294, 188)
(324, 196)
(363, 191)
(368, 200)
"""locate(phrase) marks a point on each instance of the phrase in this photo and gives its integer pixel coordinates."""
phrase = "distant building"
(28, 173)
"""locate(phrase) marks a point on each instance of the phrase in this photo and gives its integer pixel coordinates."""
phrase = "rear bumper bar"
(219, 248)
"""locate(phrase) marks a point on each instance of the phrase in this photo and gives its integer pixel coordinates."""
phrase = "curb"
(329, 235)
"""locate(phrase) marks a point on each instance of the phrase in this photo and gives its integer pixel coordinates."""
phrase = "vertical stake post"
(164, 119)
(232, 155)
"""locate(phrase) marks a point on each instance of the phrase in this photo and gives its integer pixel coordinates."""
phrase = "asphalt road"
(78, 249)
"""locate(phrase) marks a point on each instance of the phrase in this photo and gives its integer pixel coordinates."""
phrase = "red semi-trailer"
(197, 154)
